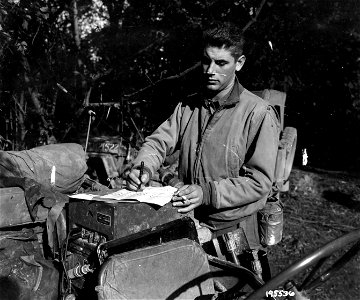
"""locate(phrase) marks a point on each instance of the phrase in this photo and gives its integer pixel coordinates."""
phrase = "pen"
(141, 172)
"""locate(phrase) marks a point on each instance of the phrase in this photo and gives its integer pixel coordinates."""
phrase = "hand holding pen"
(137, 178)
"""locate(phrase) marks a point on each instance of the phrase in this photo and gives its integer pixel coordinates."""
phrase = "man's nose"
(210, 69)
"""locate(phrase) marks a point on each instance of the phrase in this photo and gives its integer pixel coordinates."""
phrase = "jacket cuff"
(209, 193)
(146, 169)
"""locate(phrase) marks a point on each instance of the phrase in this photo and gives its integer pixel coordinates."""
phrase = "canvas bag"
(173, 270)
(69, 160)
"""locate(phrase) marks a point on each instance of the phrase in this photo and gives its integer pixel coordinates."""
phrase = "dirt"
(319, 207)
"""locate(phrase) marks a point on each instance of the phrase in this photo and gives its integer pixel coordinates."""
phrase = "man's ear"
(240, 62)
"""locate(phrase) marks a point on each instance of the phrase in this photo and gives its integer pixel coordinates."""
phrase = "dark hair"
(225, 35)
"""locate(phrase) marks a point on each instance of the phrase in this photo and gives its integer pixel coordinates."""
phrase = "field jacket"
(229, 150)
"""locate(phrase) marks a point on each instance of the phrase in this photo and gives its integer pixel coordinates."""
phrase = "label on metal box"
(103, 219)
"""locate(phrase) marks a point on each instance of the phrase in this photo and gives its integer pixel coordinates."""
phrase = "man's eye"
(221, 63)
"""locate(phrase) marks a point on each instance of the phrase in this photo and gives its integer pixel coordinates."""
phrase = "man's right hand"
(134, 183)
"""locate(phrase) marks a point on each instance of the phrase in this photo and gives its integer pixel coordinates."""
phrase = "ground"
(319, 207)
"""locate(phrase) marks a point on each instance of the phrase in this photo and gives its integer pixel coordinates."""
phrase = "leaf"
(22, 46)
(25, 25)
(14, 1)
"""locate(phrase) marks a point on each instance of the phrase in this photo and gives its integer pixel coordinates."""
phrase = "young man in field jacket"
(228, 141)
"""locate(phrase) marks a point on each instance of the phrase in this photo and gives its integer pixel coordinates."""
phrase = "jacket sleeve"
(160, 143)
(257, 173)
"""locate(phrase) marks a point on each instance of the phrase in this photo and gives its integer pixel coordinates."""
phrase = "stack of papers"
(153, 195)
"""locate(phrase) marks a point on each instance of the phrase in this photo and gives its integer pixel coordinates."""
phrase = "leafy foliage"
(58, 58)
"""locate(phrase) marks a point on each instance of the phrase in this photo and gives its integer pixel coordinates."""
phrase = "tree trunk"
(76, 25)
(33, 91)
(20, 116)
(77, 37)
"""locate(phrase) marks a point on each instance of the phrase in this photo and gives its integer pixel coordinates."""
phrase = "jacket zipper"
(200, 146)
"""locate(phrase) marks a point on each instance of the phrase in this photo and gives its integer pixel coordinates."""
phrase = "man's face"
(219, 68)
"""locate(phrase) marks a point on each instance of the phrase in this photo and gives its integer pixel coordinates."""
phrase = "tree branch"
(164, 79)
(18, 105)
(196, 65)
(151, 45)
(254, 19)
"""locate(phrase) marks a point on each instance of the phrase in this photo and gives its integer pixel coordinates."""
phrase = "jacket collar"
(230, 99)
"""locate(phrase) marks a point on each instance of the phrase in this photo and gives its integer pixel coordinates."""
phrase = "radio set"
(98, 229)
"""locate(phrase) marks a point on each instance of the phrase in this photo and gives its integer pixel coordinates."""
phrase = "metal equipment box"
(116, 220)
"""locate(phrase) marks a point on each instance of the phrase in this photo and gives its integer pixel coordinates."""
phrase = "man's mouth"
(209, 79)
(211, 82)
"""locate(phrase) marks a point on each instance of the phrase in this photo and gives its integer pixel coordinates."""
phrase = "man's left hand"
(188, 197)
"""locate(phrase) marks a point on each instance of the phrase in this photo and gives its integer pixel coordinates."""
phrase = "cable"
(63, 253)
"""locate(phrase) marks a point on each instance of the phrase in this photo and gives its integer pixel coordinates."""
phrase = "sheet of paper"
(84, 196)
(153, 195)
